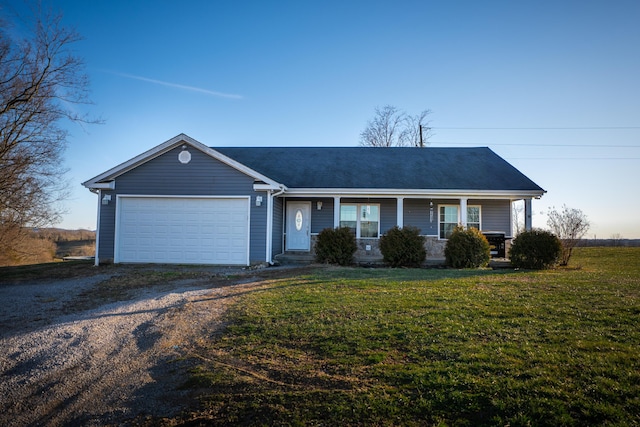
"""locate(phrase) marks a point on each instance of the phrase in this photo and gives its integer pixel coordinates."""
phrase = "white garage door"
(182, 230)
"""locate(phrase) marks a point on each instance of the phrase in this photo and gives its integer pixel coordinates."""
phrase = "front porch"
(303, 218)
(304, 258)
(368, 254)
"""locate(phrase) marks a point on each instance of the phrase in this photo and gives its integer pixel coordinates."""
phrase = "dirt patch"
(112, 363)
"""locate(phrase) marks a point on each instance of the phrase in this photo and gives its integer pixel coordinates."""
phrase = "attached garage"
(182, 230)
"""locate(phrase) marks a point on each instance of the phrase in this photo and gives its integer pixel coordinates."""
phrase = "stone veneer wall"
(369, 249)
(369, 254)
(434, 247)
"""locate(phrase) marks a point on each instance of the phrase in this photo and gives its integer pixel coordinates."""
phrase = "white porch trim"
(527, 215)
(411, 193)
(269, 239)
(400, 212)
(463, 212)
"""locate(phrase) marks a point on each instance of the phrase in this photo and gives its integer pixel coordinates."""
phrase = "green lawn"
(353, 346)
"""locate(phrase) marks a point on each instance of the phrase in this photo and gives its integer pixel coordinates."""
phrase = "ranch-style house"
(183, 202)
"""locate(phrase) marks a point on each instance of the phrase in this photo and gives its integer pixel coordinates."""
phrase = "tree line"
(42, 86)
(48, 245)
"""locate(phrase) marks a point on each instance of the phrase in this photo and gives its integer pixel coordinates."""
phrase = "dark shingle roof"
(378, 168)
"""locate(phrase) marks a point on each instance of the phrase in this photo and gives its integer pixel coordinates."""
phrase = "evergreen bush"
(336, 246)
(467, 249)
(403, 247)
(535, 249)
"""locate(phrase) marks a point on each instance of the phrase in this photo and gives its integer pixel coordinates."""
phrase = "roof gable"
(182, 139)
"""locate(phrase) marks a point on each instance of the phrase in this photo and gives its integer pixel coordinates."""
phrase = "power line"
(572, 158)
(541, 145)
(537, 128)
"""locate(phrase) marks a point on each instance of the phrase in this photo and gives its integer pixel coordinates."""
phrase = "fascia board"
(169, 145)
(111, 185)
(267, 187)
(399, 192)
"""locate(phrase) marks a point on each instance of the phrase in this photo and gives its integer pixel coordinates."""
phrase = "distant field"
(49, 245)
(75, 248)
(355, 346)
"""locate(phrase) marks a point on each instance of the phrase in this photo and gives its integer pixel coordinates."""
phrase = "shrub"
(535, 249)
(403, 247)
(569, 226)
(467, 249)
(336, 246)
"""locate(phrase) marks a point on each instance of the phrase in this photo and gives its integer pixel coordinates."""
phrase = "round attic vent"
(184, 157)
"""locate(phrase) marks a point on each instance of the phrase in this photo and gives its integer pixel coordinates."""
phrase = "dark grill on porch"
(497, 243)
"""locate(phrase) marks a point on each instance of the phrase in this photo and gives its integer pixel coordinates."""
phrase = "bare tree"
(570, 225)
(418, 129)
(41, 84)
(616, 239)
(391, 127)
(517, 210)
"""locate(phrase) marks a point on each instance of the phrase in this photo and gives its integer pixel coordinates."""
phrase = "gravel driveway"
(105, 365)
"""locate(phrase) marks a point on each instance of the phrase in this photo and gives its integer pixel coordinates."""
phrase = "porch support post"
(463, 212)
(400, 212)
(527, 215)
(336, 212)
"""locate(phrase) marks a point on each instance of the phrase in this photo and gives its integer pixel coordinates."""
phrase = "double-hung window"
(450, 217)
(448, 220)
(363, 220)
(473, 217)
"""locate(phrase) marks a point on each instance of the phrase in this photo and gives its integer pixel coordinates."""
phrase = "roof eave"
(400, 192)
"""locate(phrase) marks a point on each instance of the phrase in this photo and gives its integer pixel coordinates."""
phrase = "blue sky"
(551, 86)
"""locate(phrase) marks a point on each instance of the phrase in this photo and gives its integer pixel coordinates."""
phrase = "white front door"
(298, 226)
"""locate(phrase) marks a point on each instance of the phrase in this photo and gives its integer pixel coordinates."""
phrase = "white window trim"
(358, 205)
(440, 217)
(459, 216)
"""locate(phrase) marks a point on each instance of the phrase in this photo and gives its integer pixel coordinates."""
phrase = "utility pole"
(421, 143)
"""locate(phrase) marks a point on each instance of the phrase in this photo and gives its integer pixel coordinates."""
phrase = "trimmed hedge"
(336, 246)
(535, 249)
(403, 247)
(467, 249)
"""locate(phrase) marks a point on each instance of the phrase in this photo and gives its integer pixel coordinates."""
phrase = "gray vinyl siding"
(323, 218)
(416, 214)
(388, 214)
(495, 215)
(107, 228)
(278, 224)
(258, 230)
(202, 176)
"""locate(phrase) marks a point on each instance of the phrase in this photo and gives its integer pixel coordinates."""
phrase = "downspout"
(270, 197)
(96, 261)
